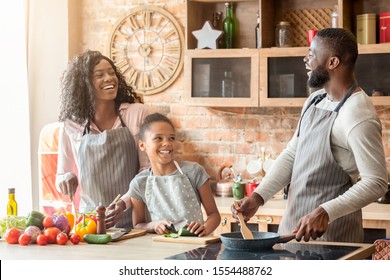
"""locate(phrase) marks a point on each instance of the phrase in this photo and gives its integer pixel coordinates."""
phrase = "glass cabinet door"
(227, 79)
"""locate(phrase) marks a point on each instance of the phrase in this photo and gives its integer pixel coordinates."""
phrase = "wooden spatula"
(245, 231)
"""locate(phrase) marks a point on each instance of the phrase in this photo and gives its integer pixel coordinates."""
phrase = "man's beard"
(318, 77)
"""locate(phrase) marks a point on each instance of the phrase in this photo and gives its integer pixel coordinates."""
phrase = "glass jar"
(283, 35)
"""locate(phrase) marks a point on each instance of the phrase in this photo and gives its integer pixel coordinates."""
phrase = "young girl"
(171, 193)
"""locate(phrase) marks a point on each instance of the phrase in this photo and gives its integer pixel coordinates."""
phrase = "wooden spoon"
(245, 231)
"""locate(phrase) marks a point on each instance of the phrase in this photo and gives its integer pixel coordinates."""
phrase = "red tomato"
(24, 239)
(42, 239)
(12, 236)
(51, 234)
(62, 238)
(48, 222)
(75, 239)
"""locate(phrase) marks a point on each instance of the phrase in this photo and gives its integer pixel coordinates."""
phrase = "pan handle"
(286, 238)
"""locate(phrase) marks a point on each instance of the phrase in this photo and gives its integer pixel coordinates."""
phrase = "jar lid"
(283, 23)
(366, 16)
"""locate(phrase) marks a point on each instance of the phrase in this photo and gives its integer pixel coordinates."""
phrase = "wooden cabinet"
(222, 77)
(273, 76)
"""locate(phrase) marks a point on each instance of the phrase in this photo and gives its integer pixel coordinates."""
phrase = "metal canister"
(366, 29)
(384, 27)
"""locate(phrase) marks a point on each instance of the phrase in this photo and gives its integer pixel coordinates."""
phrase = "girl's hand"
(197, 228)
(160, 227)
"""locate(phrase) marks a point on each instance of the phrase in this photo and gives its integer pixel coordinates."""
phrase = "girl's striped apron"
(316, 176)
(108, 162)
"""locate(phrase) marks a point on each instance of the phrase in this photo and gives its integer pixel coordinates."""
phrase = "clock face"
(147, 46)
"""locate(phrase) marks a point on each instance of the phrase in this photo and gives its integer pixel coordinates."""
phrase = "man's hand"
(313, 225)
(248, 206)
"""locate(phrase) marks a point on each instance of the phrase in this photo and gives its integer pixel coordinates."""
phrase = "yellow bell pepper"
(87, 225)
(71, 218)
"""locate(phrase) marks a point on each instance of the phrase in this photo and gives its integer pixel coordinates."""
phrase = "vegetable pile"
(39, 229)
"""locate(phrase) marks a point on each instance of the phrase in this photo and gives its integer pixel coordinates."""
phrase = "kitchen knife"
(115, 236)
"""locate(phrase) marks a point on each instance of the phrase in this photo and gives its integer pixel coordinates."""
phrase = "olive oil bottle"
(12, 205)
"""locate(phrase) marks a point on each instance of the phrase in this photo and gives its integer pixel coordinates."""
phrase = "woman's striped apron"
(108, 162)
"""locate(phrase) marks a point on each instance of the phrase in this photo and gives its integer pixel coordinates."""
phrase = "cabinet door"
(283, 77)
(222, 78)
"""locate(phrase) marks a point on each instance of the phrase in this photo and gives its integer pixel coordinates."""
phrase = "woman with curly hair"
(98, 150)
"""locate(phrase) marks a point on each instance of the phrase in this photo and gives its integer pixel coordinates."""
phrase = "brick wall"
(211, 136)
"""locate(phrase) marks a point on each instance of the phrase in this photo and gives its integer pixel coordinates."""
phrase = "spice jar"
(283, 35)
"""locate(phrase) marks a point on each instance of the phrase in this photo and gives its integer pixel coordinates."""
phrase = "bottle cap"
(11, 190)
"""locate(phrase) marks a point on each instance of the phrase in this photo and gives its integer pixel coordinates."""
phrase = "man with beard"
(335, 162)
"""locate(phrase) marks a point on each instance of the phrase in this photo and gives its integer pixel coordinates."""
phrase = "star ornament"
(207, 36)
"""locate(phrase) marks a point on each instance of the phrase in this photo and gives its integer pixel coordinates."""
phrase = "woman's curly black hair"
(77, 96)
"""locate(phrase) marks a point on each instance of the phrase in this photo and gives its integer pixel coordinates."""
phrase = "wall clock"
(147, 45)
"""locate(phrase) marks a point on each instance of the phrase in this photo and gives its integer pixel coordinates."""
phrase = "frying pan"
(260, 241)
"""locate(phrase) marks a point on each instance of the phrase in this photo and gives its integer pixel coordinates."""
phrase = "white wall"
(47, 59)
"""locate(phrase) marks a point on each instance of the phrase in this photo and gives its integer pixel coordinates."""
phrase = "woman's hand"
(69, 184)
(114, 213)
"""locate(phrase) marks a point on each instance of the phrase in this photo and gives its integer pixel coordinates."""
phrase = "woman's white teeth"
(109, 87)
(165, 152)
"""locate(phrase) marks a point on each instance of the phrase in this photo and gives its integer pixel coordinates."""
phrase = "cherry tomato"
(75, 239)
(42, 239)
(12, 236)
(62, 238)
(51, 234)
(24, 239)
(48, 222)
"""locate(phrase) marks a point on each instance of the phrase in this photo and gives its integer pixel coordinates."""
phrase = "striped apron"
(108, 162)
(316, 176)
(173, 198)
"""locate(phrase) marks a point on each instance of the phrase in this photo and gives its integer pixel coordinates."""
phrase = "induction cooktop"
(288, 251)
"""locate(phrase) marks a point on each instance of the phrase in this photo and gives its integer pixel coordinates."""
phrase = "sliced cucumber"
(97, 238)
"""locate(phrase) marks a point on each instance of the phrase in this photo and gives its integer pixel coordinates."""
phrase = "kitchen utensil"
(187, 239)
(245, 231)
(238, 190)
(118, 234)
(133, 233)
(224, 185)
(261, 241)
(250, 187)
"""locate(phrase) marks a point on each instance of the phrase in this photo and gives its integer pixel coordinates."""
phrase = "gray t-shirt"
(195, 173)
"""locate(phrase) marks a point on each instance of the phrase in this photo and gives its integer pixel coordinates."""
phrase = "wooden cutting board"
(187, 239)
(133, 233)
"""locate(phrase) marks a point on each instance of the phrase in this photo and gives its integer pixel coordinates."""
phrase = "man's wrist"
(259, 200)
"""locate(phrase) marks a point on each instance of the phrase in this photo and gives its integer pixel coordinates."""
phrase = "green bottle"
(228, 27)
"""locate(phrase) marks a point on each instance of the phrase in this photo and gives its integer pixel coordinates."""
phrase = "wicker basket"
(306, 19)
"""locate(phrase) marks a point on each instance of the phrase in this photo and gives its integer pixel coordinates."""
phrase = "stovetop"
(288, 251)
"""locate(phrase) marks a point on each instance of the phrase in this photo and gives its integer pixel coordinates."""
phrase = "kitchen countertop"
(138, 248)
(375, 215)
